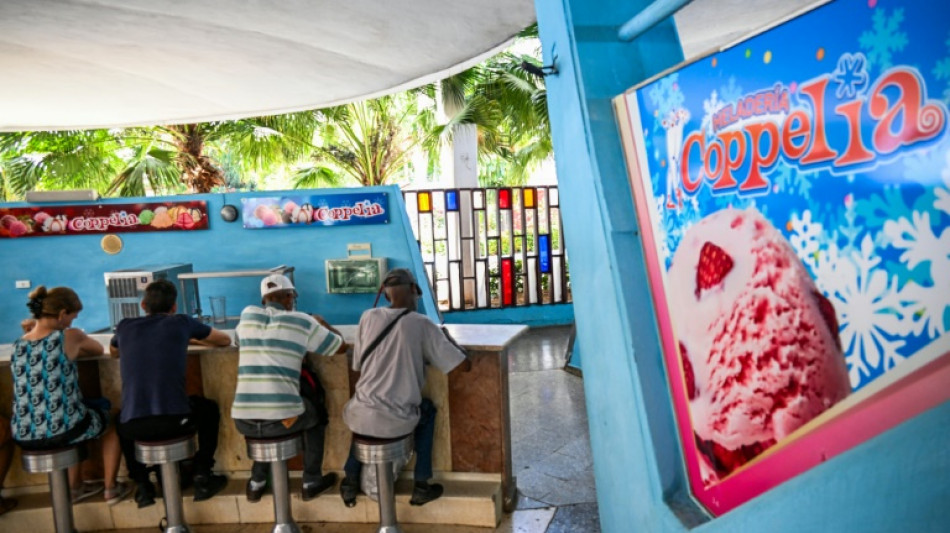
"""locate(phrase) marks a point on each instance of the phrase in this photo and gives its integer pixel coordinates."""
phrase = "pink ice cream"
(759, 344)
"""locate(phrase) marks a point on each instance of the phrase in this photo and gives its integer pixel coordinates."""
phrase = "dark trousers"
(423, 437)
(203, 419)
(313, 436)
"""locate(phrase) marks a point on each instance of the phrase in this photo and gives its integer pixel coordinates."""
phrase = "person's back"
(274, 341)
(393, 346)
(389, 391)
(152, 353)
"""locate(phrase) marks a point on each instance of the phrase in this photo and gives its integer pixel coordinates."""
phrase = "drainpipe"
(649, 17)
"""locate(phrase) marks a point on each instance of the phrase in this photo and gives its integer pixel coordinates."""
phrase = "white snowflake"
(710, 107)
(806, 237)
(920, 244)
(872, 317)
(942, 202)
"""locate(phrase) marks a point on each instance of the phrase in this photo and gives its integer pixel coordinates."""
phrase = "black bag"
(311, 389)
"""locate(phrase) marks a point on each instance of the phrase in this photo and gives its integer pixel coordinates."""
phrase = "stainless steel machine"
(126, 287)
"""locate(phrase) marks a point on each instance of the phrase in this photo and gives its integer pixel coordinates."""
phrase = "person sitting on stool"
(388, 399)
(274, 342)
(155, 407)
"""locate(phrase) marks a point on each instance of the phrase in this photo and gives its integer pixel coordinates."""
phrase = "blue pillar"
(623, 374)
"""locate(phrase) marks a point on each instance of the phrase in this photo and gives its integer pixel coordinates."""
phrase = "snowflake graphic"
(791, 180)
(870, 308)
(850, 75)
(921, 245)
(942, 195)
(665, 96)
(711, 105)
(730, 92)
(884, 39)
(806, 236)
(941, 71)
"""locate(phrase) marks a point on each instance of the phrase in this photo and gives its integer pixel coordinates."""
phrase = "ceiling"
(68, 64)
(74, 64)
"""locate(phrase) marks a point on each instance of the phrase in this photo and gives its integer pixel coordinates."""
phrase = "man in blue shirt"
(153, 351)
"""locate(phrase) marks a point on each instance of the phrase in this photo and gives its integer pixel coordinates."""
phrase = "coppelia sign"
(756, 130)
(315, 210)
(38, 221)
(793, 197)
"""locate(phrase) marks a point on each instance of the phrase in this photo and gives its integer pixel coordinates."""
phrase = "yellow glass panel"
(425, 202)
(528, 197)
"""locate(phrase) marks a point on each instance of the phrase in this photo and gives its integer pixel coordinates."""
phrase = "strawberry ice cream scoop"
(759, 344)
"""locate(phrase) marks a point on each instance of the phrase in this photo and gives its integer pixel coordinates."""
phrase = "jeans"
(203, 419)
(423, 437)
(313, 435)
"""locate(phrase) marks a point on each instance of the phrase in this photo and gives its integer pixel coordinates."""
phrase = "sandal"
(117, 493)
(87, 490)
(7, 504)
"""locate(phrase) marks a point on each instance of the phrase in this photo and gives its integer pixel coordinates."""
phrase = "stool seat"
(269, 450)
(44, 461)
(376, 450)
(165, 451)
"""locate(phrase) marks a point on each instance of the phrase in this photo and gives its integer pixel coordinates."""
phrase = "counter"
(473, 426)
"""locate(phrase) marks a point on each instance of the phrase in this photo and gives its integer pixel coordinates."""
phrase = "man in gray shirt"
(388, 402)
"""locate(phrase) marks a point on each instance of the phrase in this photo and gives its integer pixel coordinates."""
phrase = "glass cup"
(218, 313)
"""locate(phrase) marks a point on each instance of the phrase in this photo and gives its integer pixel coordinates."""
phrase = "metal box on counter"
(125, 288)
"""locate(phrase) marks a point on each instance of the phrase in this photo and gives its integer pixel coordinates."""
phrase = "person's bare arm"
(215, 338)
(79, 345)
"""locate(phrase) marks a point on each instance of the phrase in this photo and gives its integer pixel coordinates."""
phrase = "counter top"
(480, 337)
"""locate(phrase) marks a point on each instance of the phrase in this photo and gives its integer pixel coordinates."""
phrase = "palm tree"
(157, 159)
(369, 142)
(58, 160)
(506, 106)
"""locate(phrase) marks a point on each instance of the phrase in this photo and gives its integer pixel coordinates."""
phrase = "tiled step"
(469, 500)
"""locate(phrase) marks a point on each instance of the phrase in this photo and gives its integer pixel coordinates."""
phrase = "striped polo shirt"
(273, 343)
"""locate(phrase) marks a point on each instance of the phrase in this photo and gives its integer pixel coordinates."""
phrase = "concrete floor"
(551, 450)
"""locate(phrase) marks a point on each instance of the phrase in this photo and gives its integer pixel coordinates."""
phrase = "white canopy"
(73, 64)
(70, 64)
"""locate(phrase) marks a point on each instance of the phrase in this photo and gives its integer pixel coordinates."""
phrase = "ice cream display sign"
(41, 221)
(316, 210)
(793, 193)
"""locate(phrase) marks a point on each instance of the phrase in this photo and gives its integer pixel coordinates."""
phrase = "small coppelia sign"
(41, 221)
(315, 210)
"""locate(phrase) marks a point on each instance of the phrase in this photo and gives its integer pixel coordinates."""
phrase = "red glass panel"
(504, 198)
(506, 281)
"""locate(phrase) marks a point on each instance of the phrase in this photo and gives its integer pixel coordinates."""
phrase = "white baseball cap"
(274, 283)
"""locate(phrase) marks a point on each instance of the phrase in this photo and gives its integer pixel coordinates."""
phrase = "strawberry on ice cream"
(758, 343)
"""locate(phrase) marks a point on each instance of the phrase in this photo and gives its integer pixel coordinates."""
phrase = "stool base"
(286, 528)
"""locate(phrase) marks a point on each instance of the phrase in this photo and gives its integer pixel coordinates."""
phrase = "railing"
(491, 248)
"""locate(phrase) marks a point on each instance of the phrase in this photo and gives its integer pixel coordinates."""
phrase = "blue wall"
(899, 481)
(78, 261)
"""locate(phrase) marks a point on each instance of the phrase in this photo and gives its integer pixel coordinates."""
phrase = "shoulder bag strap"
(379, 338)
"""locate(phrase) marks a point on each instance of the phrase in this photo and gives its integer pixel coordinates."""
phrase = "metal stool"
(168, 453)
(54, 463)
(382, 453)
(277, 451)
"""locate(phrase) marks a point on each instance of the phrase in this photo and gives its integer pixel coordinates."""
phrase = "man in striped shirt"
(274, 341)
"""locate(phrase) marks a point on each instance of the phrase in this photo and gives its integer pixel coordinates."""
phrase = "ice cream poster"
(40, 221)
(793, 193)
(316, 210)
